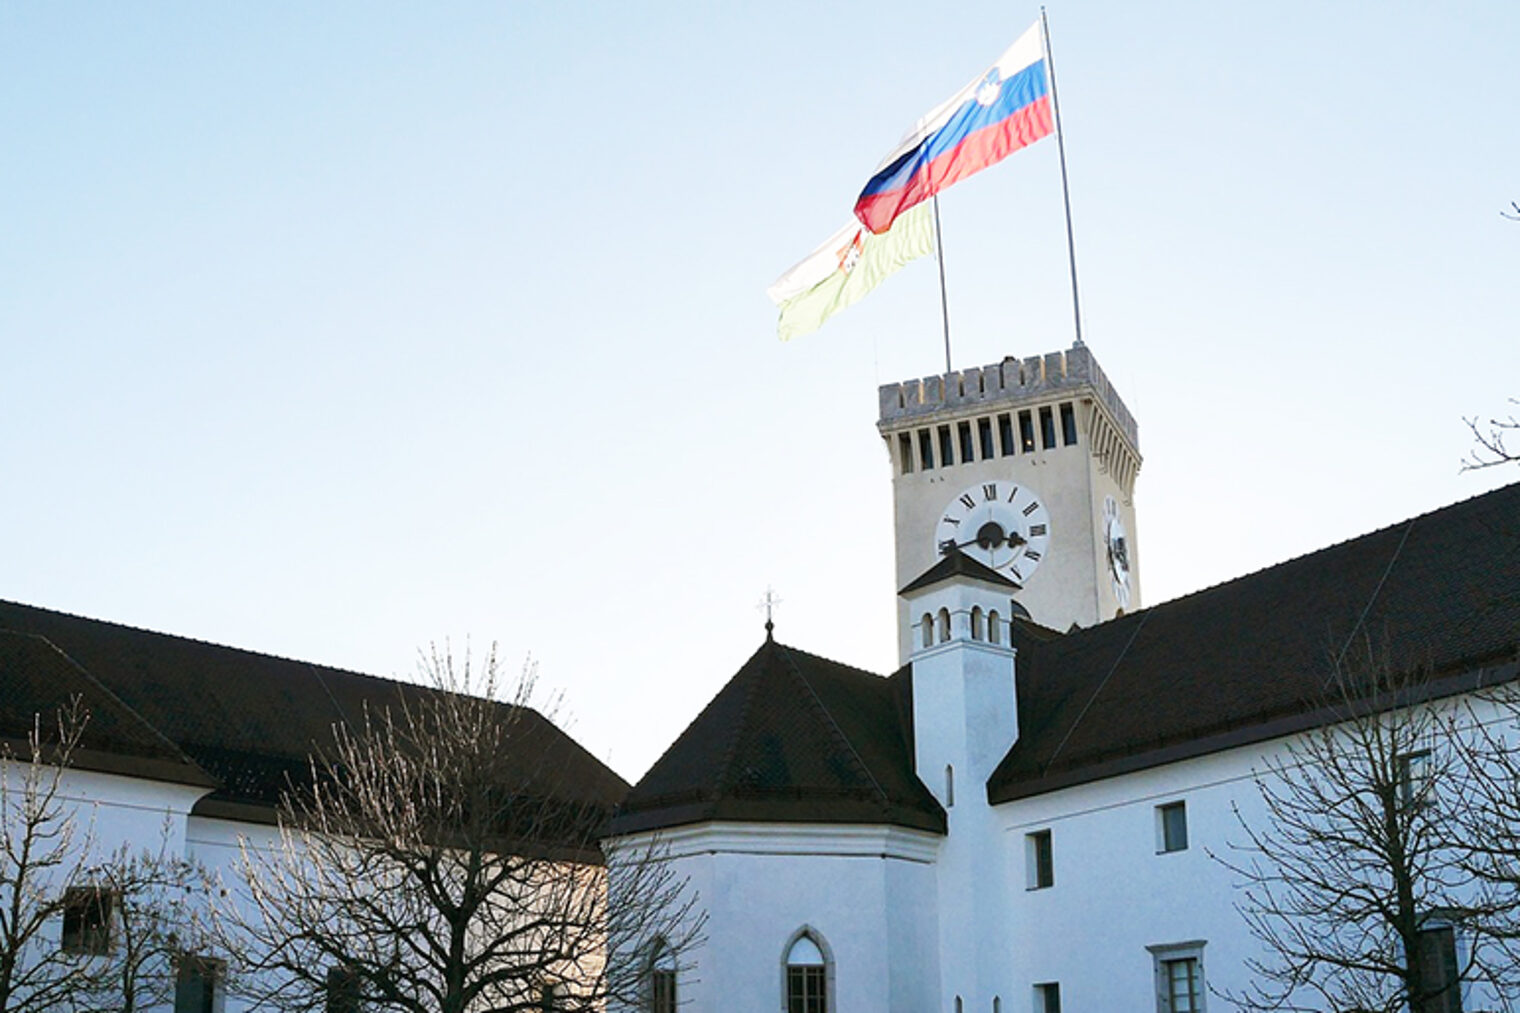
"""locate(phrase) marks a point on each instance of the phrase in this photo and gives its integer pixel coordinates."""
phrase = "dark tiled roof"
(1247, 660)
(957, 564)
(792, 738)
(797, 738)
(249, 720)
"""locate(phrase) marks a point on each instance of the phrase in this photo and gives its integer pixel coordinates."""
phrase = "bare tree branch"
(1489, 435)
(433, 865)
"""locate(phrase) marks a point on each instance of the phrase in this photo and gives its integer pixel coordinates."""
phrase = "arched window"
(661, 980)
(927, 624)
(808, 974)
(958, 1007)
(944, 626)
(976, 622)
(994, 630)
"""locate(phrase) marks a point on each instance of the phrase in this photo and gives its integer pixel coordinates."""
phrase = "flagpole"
(944, 300)
(1071, 249)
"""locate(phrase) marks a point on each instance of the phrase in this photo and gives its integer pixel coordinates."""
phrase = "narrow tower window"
(1068, 424)
(984, 435)
(925, 450)
(1005, 434)
(1047, 428)
(967, 453)
(946, 447)
(976, 622)
(949, 786)
(944, 625)
(1026, 432)
(905, 452)
(994, 628)
(926, 625)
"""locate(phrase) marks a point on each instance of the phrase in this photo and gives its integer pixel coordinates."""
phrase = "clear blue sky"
(330, 330)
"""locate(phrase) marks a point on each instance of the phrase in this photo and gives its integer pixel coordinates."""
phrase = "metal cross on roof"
(769, 603)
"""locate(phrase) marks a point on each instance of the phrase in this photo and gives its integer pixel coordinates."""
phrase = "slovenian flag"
(1003, 110)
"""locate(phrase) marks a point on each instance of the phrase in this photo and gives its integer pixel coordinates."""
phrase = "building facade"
(1029, 813)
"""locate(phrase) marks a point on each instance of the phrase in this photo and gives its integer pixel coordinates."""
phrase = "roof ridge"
(1512, 487)
(838, 732)
(725, 777)
(111, 696)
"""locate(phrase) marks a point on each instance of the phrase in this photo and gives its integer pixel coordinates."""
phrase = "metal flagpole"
(944, 300)
(1071, 248)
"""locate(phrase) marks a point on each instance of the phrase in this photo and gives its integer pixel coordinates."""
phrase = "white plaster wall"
(868, 893)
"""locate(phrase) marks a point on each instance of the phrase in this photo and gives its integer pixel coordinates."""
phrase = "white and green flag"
(841, 271)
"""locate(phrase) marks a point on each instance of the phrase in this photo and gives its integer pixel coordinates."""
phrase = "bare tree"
(438, 862)
(1489, 435)
(80, 930)
(41, 849)
(1355, 880)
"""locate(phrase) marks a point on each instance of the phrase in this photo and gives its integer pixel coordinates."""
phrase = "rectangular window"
(1171, 827)
(1183, 984)
(905, 452)
(1414, 777)
(1005, 435)
(968, 454)
(195, 983)
(1047, 998)
(925, 449)
(1068, 424)
(87, 920)
(1039, 863)
(548, 999)
(1438, 964)
(1026, 432)
(984, 435)
(342, 992)
(1047, 428)
(1180, 986)
(946, 447)
(662, 991)
(804, 989)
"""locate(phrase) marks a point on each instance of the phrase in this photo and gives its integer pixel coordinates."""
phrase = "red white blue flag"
(1003, 110)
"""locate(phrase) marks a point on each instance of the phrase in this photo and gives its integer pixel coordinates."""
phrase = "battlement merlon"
(1009, 383)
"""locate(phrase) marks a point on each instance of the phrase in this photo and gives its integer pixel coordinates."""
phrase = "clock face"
(1118, 550)
(1002, 524)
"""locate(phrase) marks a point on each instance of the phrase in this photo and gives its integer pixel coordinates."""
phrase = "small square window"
(1171, 827)
(342, 992)
(87, 920)
(1047, 998)
(662, 992)
(1414, 777)
(1039, 862)
(196, 980)
(1180, 984)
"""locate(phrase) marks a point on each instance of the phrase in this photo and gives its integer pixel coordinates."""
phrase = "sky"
(333, 331)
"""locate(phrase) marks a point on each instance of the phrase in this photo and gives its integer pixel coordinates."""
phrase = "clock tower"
(1028, 466)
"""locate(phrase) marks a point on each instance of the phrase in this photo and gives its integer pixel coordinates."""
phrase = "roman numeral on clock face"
(947, 519)
(990, 491)
(1031, 554)
(1031, 508)
(1012, 493)
(1036, 530)
(968, 501)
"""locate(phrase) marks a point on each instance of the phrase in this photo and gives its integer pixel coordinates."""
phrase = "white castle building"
(1022, 815)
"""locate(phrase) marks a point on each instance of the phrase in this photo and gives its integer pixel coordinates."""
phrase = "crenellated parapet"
(1010, 383)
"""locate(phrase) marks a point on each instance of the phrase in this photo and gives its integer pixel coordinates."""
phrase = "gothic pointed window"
(807, 976)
